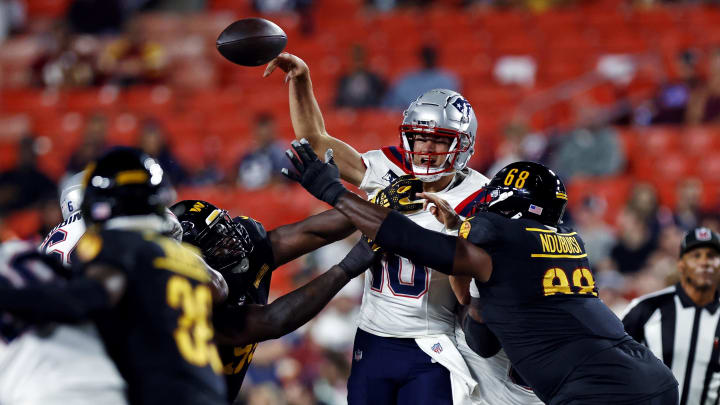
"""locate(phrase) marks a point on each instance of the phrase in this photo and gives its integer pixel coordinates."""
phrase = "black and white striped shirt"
(684, 336)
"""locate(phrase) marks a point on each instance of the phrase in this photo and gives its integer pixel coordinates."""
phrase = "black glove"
(320, 179)
(401, 194)
(359, 259)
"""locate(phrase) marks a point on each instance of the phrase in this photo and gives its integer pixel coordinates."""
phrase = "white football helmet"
(71, 194)
(440, 112)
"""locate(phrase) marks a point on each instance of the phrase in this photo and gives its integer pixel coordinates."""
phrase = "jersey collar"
(687, 302)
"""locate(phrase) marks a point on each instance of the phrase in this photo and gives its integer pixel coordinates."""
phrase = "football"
(251, 41)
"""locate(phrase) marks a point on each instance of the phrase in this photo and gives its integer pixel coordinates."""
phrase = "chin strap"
(429, 178)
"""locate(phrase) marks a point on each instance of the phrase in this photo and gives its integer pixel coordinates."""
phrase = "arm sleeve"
(72, 302)
(401, 236)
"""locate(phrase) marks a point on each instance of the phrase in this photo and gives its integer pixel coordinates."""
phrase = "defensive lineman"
(537, 292)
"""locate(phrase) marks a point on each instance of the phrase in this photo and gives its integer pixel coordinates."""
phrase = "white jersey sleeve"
(65, 364)
(61, 241)
(401, 299)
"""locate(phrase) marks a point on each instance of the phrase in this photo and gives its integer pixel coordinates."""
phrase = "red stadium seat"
(613, 190)
(24, 224)
(47, 8)
(29, 100)
(707, 165)
(660, 17)
(90, 100)
(623, 42)
(514, 43)
(658, 141)
(700, 140)
(13, 127)
(8, 155)
(499, 22)
(558, 23)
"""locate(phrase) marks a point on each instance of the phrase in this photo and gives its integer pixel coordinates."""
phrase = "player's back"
(402, 299)
(541, 300)
(160, 334)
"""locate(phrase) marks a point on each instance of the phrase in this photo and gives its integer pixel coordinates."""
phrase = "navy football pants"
(389, 371)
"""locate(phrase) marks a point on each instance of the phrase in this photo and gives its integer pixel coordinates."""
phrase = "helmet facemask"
(430, 169)
(505, 201)
(440, 113)
(526, 190)
(223, 244)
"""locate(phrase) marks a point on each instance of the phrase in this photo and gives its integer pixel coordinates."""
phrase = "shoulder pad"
(255, 229)
(479, 229)
(89, 246)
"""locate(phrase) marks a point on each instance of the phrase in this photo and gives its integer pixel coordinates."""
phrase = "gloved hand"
(359, 259)
(322, 180)
(401, 195)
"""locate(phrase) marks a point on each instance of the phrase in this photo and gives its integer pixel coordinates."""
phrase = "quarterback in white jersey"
(401, 299)
(404, 350)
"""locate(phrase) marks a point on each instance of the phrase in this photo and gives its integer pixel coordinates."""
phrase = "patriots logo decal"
(464, 107)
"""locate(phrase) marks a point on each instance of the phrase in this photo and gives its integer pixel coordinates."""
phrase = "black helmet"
(124, 182)
(223, 245)
(527, 190)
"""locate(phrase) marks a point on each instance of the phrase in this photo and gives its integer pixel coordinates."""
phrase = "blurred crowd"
(633, 247)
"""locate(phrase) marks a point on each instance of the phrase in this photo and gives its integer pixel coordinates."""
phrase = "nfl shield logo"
(390, 176)
(437, 348)
(703, 234)
(358, 355)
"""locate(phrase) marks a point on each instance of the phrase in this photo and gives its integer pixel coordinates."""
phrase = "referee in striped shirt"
(680, 323)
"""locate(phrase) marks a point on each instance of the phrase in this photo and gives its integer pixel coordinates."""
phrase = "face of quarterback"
(700, 267)
(431, 150)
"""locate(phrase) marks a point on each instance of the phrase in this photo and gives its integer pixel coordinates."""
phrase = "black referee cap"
(699, 237)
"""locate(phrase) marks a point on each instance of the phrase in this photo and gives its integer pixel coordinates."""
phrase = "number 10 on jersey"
(404, 278)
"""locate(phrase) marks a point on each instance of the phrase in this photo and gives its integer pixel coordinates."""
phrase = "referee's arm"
(636, 315)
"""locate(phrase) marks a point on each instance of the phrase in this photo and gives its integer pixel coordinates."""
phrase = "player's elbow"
(276, 324)
(463, 298)
(485, 351)
(480, 338)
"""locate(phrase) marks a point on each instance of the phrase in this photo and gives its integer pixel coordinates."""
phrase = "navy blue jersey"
(252, 286)
(160, 334)
(541, 300)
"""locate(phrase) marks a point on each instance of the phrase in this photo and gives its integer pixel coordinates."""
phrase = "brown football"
(251, 41)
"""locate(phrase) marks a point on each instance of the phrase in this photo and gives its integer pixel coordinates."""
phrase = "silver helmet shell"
(71, 194)
(440, 112)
